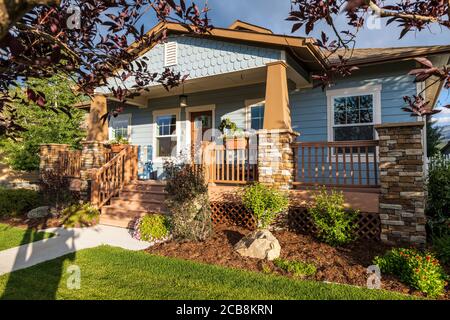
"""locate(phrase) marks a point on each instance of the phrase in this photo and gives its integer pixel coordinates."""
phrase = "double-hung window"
(166, 135)
(353, 113)
(255, 113)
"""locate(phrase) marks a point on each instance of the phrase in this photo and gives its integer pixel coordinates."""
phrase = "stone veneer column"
(403, 195)
(92, 158)
(49, 156)
(276, 158)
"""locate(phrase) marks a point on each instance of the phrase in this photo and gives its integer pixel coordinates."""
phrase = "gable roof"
(245, 26)
(302, 48)
(376, 55)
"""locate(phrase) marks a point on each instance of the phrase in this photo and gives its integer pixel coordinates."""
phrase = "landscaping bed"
(345, 265)
(114, 273)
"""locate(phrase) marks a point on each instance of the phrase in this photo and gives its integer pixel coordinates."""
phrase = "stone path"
(66, 241)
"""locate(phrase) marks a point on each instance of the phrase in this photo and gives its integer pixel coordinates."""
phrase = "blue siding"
(309, 106)
(199, 57)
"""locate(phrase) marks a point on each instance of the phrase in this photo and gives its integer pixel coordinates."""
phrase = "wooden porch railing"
(114, 175)
(338, 164)
(230, 163)
(70, 163)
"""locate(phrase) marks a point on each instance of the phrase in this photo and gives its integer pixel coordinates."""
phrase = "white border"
(165, 112)
(374, 90)
(248, 106)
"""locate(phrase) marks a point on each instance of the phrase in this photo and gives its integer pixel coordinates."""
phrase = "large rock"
(39, 212)
(260, 244)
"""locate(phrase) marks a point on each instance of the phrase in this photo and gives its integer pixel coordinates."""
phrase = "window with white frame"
(257, 116)
(119, 127)
(353, 113)
(166, 135)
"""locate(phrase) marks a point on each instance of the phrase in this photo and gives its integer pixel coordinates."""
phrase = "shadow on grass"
(30, 253)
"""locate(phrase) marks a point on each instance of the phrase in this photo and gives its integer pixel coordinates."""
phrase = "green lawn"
(113, 273)
(11, 237)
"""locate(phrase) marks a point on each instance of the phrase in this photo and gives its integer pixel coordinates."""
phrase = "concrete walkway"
(66, 241)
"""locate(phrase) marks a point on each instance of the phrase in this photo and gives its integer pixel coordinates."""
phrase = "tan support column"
(97, 129)
(276, 112)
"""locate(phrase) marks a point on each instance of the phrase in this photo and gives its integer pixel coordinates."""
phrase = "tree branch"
(12, 11)
(383, 13)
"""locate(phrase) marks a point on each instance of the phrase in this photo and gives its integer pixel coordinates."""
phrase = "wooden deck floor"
(360, 199)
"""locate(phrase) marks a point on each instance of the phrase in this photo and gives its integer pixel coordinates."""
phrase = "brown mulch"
(346, 265)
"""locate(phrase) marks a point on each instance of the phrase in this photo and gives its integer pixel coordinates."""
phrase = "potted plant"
(234, 137)
(118, 144)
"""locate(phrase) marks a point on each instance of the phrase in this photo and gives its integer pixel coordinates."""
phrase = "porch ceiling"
(222, 81)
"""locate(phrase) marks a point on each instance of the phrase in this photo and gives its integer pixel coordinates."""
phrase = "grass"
(11, 237)
(113, 273)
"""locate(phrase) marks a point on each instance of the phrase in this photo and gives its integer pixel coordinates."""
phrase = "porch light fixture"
(183, 101)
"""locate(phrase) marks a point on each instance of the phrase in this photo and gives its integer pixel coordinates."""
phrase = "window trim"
(248, 110)
(374, 90)
(166, 112)
(129, 127)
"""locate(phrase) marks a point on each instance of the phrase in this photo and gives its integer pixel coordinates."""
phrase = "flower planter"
(236, 143)
(116, 148)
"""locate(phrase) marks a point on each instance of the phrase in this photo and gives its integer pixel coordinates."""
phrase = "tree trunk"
(12, 11)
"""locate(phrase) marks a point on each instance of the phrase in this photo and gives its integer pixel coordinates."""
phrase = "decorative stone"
(260, 244)
(39, 212)
(402, 194)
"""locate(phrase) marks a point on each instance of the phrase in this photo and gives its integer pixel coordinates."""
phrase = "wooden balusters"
(113, 176)
(340, 163)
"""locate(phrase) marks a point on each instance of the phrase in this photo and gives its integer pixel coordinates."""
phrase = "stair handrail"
(110, 179)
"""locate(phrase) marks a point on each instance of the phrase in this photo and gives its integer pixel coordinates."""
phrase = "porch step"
(134, 201)
(151, 205)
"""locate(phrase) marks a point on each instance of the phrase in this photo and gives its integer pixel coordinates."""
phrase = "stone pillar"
(403, 195)
(49, 156)
(276, 111)
(276, 158)
(92, 158)
(97, 128)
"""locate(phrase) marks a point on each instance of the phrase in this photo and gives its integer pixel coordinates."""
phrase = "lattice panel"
(369, 226)
(232, 213)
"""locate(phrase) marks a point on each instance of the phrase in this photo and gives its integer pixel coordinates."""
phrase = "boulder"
(260, 244)
(39, 212)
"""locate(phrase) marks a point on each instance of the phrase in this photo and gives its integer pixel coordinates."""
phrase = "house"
(353, 136)
(445, 148)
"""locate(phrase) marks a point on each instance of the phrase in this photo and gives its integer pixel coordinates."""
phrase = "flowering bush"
(420, 270)
(153, 228)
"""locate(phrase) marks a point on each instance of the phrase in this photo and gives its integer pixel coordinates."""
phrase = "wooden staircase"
(134, 201)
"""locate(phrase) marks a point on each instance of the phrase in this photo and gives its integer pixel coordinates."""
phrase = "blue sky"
(272, 14)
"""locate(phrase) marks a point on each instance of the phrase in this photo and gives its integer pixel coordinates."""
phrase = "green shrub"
(335, 225)
(265, 203)
(80, 215)
(15, 202)
(154, 227)
(295, 267)
(421, 271)
(441, 246)
(438, 204)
